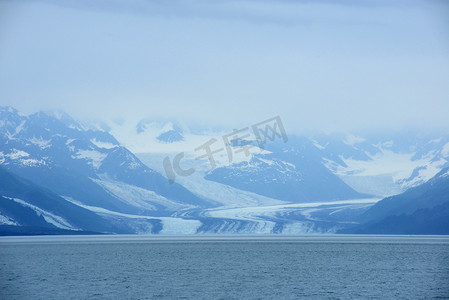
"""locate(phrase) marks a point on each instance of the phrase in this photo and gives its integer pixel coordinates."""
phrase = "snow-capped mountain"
(154, 135)
(384, 163)
(315, 184)
(169, 132)
(249, 190)
(375, 163)
(420, 210)
(87, 167)
(291, 172)
(23, 203)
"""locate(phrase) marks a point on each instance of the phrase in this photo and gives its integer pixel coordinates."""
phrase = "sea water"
(224, 267)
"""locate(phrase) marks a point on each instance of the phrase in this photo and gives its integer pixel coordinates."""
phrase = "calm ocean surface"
(224, 267)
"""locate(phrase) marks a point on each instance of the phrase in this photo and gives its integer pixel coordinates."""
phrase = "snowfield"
(387, 173)
(95, 158)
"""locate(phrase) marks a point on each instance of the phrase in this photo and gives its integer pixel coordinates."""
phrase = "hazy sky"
(317, 64)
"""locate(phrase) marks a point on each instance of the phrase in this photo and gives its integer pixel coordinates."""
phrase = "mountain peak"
(8, 109)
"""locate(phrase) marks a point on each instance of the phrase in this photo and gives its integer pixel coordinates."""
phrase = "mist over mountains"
(109, 177)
